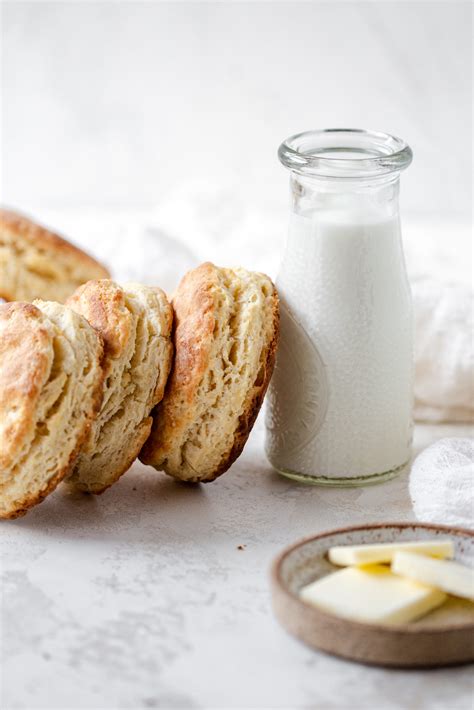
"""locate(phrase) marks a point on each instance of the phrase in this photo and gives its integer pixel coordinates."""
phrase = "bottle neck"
(376, 197)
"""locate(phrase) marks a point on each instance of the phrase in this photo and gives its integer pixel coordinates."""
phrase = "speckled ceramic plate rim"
(404, 629)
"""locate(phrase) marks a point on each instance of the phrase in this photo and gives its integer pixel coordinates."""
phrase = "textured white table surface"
(141, 598)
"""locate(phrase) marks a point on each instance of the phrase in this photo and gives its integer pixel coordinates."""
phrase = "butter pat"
(449, 576)
(372, 594)
(367, 554)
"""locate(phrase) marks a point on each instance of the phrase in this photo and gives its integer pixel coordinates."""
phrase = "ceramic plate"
(443, 637)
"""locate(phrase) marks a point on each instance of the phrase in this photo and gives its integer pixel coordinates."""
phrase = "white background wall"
(118, 104)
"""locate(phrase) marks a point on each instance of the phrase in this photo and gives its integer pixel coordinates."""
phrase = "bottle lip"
(344, 153)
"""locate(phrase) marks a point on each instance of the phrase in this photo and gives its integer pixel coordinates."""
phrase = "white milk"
(341, 397)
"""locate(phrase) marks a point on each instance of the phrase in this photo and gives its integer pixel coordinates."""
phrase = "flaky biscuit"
(135, 323)
(226, 333)
(36, 263)
(50, 389)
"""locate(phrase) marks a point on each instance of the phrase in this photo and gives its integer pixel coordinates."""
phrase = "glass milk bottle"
(340, 402)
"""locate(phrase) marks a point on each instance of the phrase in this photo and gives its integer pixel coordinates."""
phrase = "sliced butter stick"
(451, 577)
(372, 594)
(368, 554)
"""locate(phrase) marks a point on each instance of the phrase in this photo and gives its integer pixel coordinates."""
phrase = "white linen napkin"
(444, 357)
(442, 483)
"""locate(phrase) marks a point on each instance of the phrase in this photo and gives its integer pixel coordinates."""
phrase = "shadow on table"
(145, 503)
(134, 509)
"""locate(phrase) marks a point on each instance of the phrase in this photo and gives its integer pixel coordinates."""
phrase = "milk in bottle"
(340, 401)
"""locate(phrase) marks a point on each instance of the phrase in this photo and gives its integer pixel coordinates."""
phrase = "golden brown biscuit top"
(44, 239)
(26, 356)
(102, 303)
(195, 314)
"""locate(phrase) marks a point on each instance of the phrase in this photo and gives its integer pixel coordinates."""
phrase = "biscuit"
(135, 323)
(226, 333)
(35, 263)
(50, 389)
